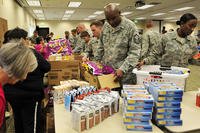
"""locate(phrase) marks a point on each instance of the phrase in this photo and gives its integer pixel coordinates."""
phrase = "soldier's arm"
(156, 51)
(99, 51)
(79, 46)
(194, 48)
(145, 45)
(133, 54)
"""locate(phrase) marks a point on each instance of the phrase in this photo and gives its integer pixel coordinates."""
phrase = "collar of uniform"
(119, 27)
(176, 36)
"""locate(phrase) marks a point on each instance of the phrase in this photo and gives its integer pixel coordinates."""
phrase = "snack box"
(164, 90)
(126, 93)
(139, 108)
(168, 110)
(168, 104)
(173, 116)
(133, 87)
(135, 121)
(141, 115)
(138, 127)
(169, 122)
(140, 99)
(167, 99)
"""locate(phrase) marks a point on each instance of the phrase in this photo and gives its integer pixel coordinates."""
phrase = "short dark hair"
(17, 33)
(73, 30)
(38, 39)
(35, 31)
(6, 37)
(185, 18)
(84, 34)
(96, 23)
(66, 32)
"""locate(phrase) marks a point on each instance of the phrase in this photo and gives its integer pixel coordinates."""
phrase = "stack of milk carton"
(168, 99)
(137, 108)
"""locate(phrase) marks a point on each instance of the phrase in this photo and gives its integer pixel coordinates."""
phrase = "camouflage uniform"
(73, 40)
(79, 46)
(149, 39)
(91, 48)
(120, 48)
(174, 50)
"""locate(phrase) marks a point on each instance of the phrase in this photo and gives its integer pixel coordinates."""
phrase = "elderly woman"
(16, 61)
(25, 97)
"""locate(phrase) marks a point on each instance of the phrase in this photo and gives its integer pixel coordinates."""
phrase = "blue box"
(168, 99)
(167, 116)
(131, 108)
(140, 99)
(169, 122)
(138, 127)
(136, 121)
(141, 115)
(168, 110)
(168, 104)
(165, 92)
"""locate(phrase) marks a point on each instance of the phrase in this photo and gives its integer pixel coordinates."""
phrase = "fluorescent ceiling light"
(98, 12)
(169, 18)
(69, 11)
(74, 4)
(86, 18)
(37, 11)
(41, 18)
(158, 14)
(115, 4)
(172, 11)
(40, 15)
(183, 8)
(144, 7)
(66, 16)
(33, 2)
(173, 20)
(140, 18)
(126, 13)
(92, 16)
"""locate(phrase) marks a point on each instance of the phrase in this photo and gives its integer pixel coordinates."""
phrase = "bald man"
(119, 44)
(149, 38)
(79, 46)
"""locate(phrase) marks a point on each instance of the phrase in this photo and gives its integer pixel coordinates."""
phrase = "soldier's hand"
(118, 75)
(85, 59)
(141, 63)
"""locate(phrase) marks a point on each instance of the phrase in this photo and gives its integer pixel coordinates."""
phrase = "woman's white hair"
(17, 60)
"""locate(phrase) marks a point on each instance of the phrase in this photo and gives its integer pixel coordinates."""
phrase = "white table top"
(113, 124)
(190, 114)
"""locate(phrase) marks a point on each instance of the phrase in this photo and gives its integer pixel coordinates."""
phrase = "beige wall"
(16, 15)
(59, 27)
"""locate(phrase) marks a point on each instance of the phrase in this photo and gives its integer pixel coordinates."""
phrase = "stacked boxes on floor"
(137, 108)
(168, 99)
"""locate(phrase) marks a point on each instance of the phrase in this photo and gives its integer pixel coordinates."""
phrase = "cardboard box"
(63, 70)
(101, 81)
(108, 81)
(93, 80)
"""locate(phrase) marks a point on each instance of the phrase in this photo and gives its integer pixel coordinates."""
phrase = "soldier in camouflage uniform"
(176, 46)
(90, 43)
(119, 44)
(149, 39)
(73, 38)
(96, 28)
(79, 46)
